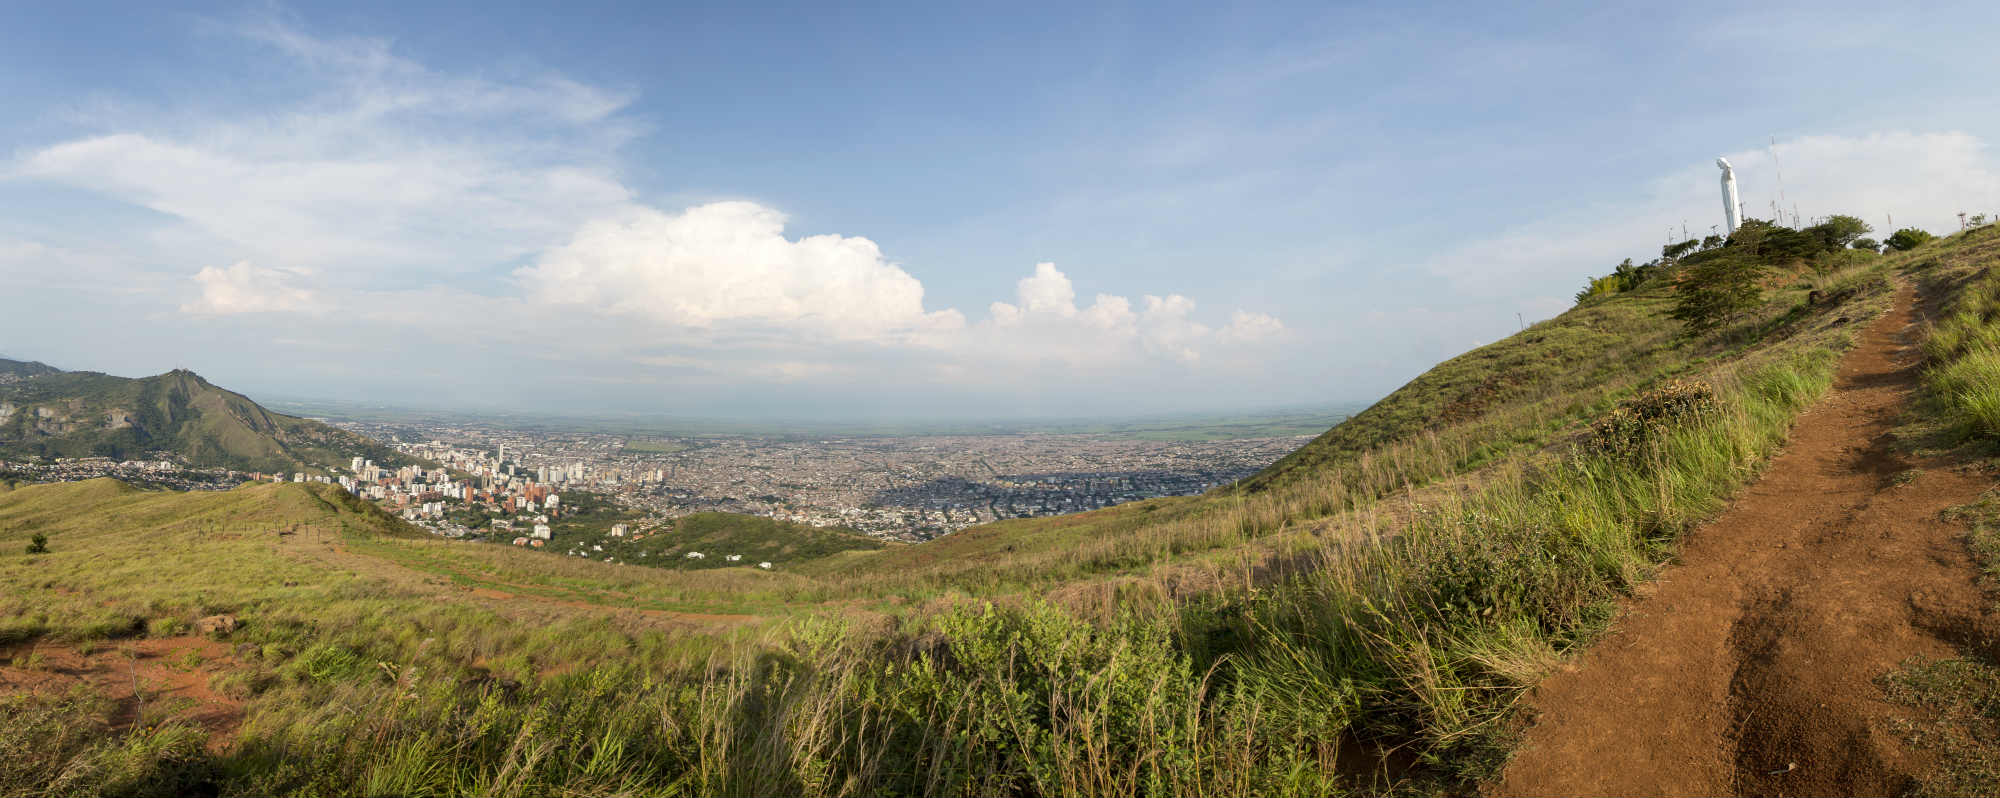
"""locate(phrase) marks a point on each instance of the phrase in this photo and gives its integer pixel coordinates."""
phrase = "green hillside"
(716, 536)
(1360, 618)
(53, 413)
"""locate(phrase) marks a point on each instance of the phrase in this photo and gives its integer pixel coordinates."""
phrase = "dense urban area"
(900, 487)
(486, 482)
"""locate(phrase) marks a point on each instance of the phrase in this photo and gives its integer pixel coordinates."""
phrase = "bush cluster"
(1625, 431)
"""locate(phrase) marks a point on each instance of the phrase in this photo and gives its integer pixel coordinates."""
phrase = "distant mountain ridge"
(54, 413)
(17, 370)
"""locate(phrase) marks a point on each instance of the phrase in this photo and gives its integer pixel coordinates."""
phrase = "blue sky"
(814, 212)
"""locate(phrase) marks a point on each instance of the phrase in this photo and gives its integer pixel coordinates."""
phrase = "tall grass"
(1963, 354)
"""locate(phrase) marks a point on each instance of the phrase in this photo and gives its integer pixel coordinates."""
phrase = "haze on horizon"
(812, 212)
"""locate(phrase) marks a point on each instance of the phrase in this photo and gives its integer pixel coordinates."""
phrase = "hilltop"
(1363, 616)
(16, 370)
(48, 412)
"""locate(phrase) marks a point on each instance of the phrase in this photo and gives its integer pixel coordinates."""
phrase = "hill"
(716, 537)
(16, 370)
(51, 413)
(1362, 617)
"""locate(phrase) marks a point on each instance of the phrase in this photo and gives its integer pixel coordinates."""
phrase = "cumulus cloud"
(730, 266)
(730, 262)
(247, 288)
(1045, 323)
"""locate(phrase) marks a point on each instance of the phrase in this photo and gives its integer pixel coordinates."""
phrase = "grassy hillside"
(584, 531)
(1393, 586)
(87, 414)
(754, 538)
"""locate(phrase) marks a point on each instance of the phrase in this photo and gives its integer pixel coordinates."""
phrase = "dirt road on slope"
(1751, 667)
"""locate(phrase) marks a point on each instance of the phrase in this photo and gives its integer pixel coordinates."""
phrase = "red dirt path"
(166, 686)
(1752, 667)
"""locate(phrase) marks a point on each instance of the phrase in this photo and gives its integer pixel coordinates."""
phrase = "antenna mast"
(1780, 171)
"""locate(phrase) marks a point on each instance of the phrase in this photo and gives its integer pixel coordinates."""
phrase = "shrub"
(1839, 231)
(1601, 286)
(39, 544)
(1625, 431)
(1908, 238)
(1868, 244)
(1716, 291)
(327, 662)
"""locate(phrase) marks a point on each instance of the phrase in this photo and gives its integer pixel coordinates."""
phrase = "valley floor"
(1757, 663)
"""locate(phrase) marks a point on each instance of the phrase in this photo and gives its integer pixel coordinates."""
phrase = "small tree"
(39, 544)
(1908, 238)
(1715, 291)
(1839, 231)
(1868, 244)
(1710, 242)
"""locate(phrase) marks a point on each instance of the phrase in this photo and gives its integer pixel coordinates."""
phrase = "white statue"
(1731, 211)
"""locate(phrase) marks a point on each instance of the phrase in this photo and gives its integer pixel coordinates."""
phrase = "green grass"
(1959, 700)
(1400, 584)
(1963, 350)
(647, 446)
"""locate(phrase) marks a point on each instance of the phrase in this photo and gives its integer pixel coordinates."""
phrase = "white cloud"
(1046, 325)
(380, 82)
(21, 251)
(730, 262)
(247, 288)
(728, 266)
(1047, 291)
(1247, 327)
(378, 165)
(365, 211)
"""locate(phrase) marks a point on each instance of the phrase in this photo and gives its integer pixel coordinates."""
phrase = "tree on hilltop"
(1715, 291)
(1839, 230)
(1908, 238)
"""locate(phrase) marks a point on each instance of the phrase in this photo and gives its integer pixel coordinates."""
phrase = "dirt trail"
(1751, 667)
(168, 677)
